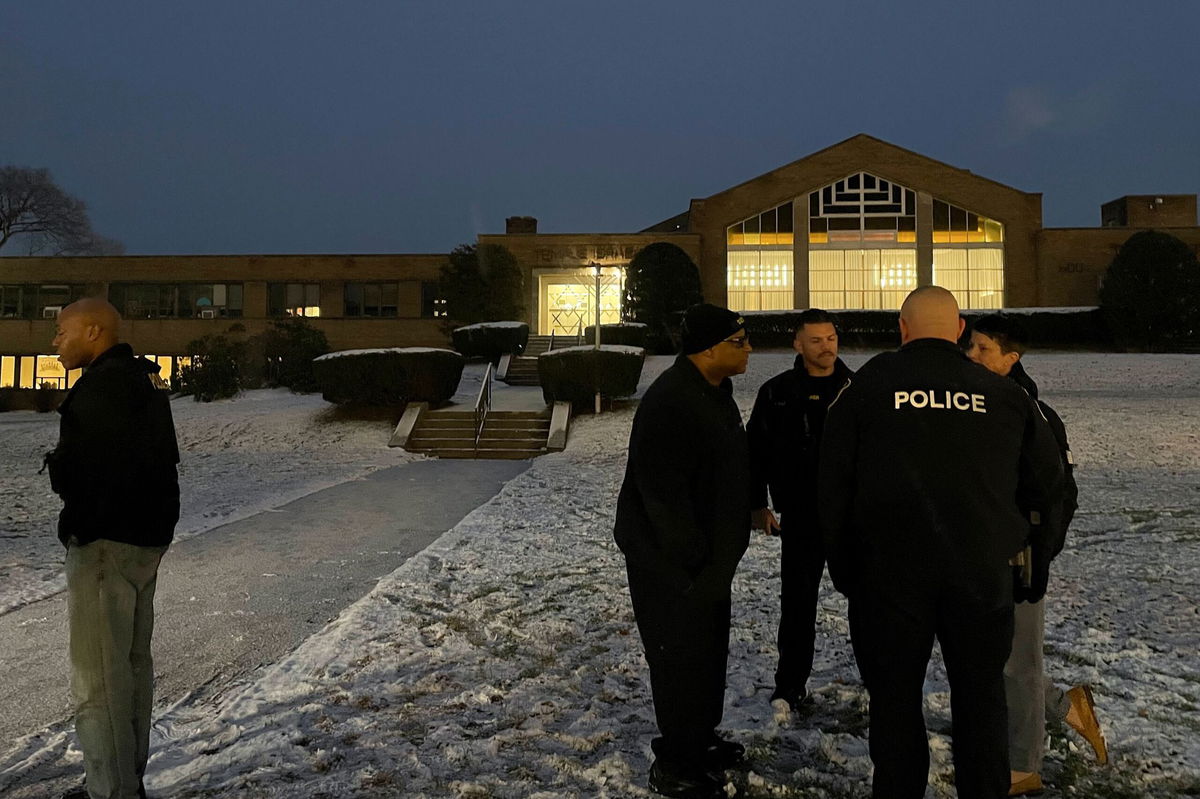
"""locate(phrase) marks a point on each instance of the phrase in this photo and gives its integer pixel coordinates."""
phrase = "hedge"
(1049, 328)
(491, 339)
(576, 374)
(625, 334)
(386, 377)
(42, 400)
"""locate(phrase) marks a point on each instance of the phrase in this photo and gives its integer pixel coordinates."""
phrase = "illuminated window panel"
(8, 371)
(974, 275)
(861, 279)
(954, 225)
(760, 279)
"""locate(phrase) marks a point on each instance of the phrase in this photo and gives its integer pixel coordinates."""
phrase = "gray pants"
(111, 601)
(1032, 698)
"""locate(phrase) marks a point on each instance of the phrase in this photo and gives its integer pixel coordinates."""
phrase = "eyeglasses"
(738, 341)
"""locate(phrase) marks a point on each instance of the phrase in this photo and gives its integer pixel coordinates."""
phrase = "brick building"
(856, 225)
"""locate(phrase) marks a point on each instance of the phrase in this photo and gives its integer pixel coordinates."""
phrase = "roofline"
(880, 141)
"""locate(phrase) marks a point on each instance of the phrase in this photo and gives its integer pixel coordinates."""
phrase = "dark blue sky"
(271, 126)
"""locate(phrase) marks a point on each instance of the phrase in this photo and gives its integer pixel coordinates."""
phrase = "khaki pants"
(111, 601)
(1032, 698)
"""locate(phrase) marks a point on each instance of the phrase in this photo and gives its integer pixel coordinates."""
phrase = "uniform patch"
(941, 400)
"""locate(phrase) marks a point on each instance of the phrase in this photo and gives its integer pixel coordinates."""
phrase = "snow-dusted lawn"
(238, 457)
(504, 661)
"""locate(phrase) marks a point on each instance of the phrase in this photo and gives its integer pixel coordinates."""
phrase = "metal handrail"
(579, 334)
(483, 403)
(551, 341)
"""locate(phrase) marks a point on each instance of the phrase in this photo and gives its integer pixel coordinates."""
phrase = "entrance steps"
(506, 435)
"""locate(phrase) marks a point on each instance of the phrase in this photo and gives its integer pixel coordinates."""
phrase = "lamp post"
(597, 269)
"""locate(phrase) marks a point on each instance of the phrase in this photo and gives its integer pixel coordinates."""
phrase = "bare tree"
(44, 218)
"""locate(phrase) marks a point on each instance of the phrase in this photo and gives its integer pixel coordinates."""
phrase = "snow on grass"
(240, 456)
(504, 661)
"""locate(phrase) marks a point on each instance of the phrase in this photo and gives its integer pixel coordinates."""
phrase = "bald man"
(115, 469)
(922, 459)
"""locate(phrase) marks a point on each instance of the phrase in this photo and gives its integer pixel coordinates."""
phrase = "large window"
(858, 278)
(760, 266)
(294, 299)
(34, 301)
(372, 299)
(177, 300)
(970, 262)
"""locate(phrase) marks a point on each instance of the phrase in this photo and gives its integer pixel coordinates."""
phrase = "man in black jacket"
(683, 523)
(785, 435)
(997, 343)
(923, 456)
(115, 469)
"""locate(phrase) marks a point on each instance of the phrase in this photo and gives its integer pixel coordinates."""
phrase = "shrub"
(289, 347)
(575, 374)
(491, 339)
(1151, 293)
(214, 370)
(627, 334)
(388, 376)
(661, 282)
(46, 398)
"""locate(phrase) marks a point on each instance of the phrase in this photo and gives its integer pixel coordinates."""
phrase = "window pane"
(276, 294)
(354, 299)
(372, 297)
(390, 299)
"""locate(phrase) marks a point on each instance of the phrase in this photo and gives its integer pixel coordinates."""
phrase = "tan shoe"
(1086, 723)
(1030, 786)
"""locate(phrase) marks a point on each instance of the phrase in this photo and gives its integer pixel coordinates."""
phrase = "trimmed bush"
(214, 371)
(387, 377)
(41, 399)
(491, 339)
(289, 347)
(625, 334)
(575, 374)
(1048, 328)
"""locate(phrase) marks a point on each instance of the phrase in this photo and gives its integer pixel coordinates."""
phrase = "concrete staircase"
(522, 370)
(507, 435)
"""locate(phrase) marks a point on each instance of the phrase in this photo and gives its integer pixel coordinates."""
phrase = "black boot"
(681, 785)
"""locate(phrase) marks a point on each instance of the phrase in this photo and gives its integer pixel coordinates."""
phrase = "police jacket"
(923, 456)
(114, 465)
(1049, 523)
(683, 513)
(784, 432)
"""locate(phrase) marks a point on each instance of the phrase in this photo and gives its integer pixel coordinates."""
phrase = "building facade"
(856, 225)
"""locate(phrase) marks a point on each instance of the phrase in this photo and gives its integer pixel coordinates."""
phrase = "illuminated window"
(294, 299)
(8, 371)
(856, 279)
(974, 275)
(760, 266)
(862, 208)
(760, 279)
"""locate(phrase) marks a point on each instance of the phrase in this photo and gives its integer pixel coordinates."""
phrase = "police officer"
(683, 523)
(923, 456)
(785, 435)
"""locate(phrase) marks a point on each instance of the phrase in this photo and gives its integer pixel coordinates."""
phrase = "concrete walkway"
(239, 597)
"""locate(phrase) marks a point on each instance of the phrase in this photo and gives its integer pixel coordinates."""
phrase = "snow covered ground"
(238, 457)
(504, 661)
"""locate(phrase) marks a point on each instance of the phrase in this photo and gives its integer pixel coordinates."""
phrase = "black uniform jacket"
(683, 514)
(785, 436)
(922, 460)
(114, 465)
(1048, 533)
